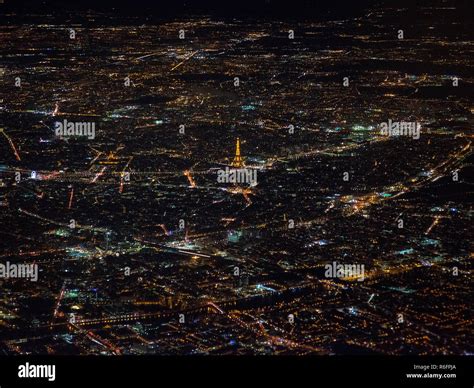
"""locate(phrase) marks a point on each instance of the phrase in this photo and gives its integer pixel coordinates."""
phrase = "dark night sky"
(226, 7)
(258, 8)
(271, 9)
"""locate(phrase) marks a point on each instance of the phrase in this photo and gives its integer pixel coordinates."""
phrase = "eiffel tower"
(238, 162)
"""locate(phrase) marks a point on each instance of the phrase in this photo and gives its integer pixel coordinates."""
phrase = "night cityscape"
(199, 183)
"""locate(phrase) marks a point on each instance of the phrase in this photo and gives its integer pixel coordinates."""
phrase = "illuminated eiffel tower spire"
(238, 161)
